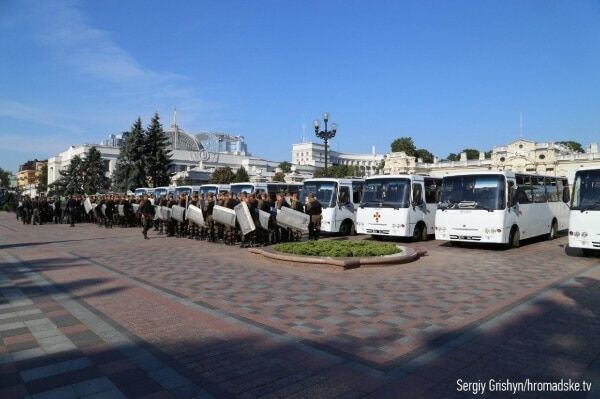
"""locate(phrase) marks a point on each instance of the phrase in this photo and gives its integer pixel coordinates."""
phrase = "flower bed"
(338, 248)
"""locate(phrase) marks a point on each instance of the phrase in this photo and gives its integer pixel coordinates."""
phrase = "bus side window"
(432, 191)
(566, 194)
(357, 190)
(512, 194)
(417, 197)
(344, 196)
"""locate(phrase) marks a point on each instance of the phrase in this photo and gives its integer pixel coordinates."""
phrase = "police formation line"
(231, 219)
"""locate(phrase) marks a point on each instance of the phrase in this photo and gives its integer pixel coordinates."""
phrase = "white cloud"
(119, 87)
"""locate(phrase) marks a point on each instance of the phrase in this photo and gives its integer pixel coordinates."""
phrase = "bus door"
(345, 208)
(418, 208)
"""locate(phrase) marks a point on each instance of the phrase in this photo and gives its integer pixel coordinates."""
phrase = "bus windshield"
(208, 189)
(473, 192)
(240, 188)
(586, 192)
(325, 192)
(182, 190)
(139, 192)
(160, 192)
(386, 192)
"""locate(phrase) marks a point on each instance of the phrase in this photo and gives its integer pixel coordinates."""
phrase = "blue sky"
(451, 74)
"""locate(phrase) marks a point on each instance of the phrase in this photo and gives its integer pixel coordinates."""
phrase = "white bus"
(163, 192)
(339, 198)
(143, 190)
(584, 221)
(271, 188)
(187, 190)
(399, 206)
(501, 207)
(213, 188)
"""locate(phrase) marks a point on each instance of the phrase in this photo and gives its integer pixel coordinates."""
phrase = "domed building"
(179, 139)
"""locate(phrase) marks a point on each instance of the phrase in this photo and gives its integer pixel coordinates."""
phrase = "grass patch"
(337, 248)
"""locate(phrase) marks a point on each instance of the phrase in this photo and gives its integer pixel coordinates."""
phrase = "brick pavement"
(223, 322)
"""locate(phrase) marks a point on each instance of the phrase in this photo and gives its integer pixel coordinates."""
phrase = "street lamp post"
(325, 134)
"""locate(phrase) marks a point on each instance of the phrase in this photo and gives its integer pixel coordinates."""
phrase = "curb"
(407, 255)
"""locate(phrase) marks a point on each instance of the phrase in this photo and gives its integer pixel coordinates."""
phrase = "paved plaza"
(101, 313)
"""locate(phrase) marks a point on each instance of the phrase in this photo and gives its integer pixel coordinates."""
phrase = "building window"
(542, 156)
(520, 145)
(502, 159)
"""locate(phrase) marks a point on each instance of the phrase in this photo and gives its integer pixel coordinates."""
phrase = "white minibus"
(584, 221)
(501, 207)
(339, 199)
(213, 188)
(399, 206)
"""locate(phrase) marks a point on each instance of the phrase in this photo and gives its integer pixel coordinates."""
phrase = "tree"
(285, 167)
(488, 154)
(42, 185)
(130, 171)
(4, 178)
(241, 175)
(279, 176)
(94, 172)
(572, 145)
(71, 178)
(405, 144)
(471, 154)
(425, 155)
(223, 175)
(339, 171)
(157, 158)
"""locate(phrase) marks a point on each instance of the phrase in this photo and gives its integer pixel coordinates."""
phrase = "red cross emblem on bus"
(376, 215)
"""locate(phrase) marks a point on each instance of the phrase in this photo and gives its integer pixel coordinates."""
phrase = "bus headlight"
(577, 234)
(584, 234)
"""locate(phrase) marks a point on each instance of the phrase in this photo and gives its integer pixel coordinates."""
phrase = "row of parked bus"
(485, 207)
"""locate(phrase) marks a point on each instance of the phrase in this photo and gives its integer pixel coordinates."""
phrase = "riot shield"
(244, 218)
(165, 212)
(224, 215)
(178, 213)
(287, 217)
(194, 215)
(135, 207)
(87, 204)
(121, 210)
(263, 219)
(103, 209)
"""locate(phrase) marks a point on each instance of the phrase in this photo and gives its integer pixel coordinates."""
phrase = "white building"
(312, 155)
(520, 156)
(187, 154)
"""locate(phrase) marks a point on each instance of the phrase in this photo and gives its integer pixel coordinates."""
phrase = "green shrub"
(337, 248)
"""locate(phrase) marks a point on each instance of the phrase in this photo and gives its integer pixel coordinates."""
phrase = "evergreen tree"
(4, 178)
(130, 170)
(223, 175)
(94, 172)
(42, 185)
(241, 175)
(157, 159)
(71, 178)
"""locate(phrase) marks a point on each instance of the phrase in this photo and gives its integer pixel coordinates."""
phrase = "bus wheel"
(346, 228)
(514, 240)
(553, 230)
(420, 232)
